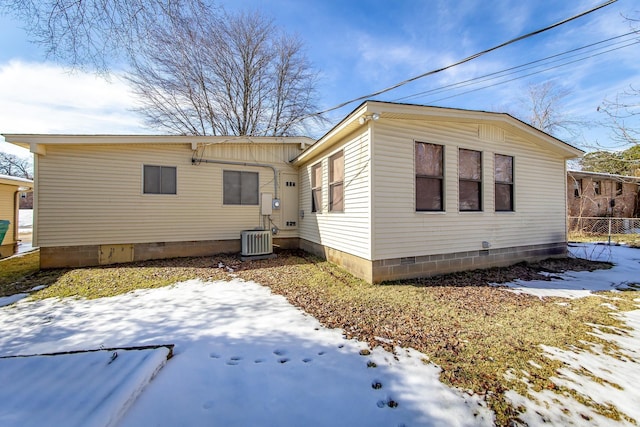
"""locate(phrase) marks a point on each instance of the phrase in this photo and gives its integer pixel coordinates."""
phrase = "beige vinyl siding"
(7, 211)
(347, 231)
(92, 194)
(400, 231)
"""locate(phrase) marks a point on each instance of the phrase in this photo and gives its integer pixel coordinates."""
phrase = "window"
(577, 188)
(159, 179)
(596, 188)
(503, 171)
(240, 188)
(336, 182)
(316, 188)
(470, 180)
(618, 188)
(429, 176)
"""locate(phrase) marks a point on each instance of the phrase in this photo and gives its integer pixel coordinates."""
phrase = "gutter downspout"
(195, 161)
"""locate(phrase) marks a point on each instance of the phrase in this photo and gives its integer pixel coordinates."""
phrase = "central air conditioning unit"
(256, 242)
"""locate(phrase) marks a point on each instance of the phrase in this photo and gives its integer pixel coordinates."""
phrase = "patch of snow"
(25, 219)
(91, 389)
(574, 284)
(38, 288)
(11, 299)
(244, 356)
(617, 378)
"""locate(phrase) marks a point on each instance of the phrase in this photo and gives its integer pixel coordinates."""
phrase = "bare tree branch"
(13, 165)
(207, 73)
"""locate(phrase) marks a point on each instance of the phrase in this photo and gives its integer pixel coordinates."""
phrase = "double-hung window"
(336, 182)
(316, 188)
(240, 188)
(159, 179)
(503, 183)
(429, 176)
(470, 180)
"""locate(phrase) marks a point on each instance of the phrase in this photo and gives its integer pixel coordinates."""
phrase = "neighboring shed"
(398, 191)
(10, 189)
(104, 199)
(593, 194)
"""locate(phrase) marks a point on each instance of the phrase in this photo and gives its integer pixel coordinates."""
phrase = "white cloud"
(44, 98)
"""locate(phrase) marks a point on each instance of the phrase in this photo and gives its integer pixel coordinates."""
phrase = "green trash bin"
(4, 226)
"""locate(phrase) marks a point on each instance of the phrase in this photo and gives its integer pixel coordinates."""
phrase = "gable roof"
(391, 110)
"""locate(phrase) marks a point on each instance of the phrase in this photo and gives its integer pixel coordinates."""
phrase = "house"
(10, 189)
(393, 191)
(592, 194)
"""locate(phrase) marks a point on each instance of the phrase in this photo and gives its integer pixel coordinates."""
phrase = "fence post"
(609, 231)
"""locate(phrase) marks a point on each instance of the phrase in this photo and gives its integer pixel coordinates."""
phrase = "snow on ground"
(581, 284)
(614, 379)
(83, 389)
(243, 356)
(246, 357)
(25, 219)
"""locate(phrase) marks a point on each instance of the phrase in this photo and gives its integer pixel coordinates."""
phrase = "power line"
(462, 61)
(536, 72)
(527, 66)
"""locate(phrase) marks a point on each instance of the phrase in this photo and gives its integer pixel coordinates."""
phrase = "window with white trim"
(159, 179)
(503, 175)
(470, 180)
(429, 169)
(336, 182)
(240, 188)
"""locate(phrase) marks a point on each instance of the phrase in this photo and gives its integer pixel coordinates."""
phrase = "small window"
(23, 195)
(429, 176)
(503, 183)
(597, 189)
(316, 188)
(618, 189)
(336, 182)
(470, 180)
(240, 188)
(159, 179)
(577, 188)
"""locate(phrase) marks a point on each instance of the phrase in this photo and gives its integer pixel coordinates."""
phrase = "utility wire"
(462, 61)
(527, 66)
(536, 72)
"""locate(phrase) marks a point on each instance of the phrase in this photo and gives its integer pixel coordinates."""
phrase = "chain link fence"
(618, 230)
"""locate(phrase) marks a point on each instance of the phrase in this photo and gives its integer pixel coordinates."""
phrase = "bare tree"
(623, 111)
(13, 165)
(82, 33)
(543, 105)
(209, 74)
(623, 114)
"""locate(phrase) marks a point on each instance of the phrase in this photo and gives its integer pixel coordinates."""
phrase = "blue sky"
(359, 48)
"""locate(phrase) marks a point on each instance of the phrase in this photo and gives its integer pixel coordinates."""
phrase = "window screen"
(159, 179)
(316, 188)
(336, 182)
(503, 182)
(429, 176)
(470, 180)
(240, 188)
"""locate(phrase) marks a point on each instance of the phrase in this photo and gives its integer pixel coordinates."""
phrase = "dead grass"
(479, 335)
(14, 271)
(476, 333)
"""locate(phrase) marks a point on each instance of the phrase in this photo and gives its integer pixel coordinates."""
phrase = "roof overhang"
(36, 143)
(393, 111)
(21, 184)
